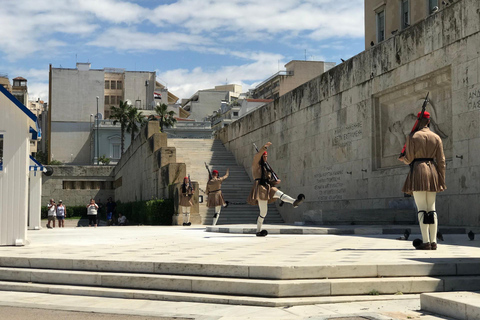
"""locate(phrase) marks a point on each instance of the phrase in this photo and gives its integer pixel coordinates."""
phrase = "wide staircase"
(256, 285)
(195, 153)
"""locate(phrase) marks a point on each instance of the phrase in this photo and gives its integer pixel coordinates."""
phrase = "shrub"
(151, 212)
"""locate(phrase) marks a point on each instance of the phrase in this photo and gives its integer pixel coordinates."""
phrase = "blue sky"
(191, 44)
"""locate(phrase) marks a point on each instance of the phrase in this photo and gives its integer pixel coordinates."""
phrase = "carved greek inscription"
(329, 185)
(345, 135)
(474, 98)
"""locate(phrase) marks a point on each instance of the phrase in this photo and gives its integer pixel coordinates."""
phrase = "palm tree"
(135, 121)
(167, 118)
(120, 113)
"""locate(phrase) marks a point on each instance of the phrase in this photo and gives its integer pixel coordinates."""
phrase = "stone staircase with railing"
(195, 153)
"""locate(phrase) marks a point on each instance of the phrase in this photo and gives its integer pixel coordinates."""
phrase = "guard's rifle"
(190, 187)
(274, 175)
(209, 172)
(417, 123)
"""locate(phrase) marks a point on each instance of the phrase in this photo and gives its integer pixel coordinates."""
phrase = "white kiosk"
(18, 126)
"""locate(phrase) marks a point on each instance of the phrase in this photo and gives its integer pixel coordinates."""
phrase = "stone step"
(195, 153)
(458, 305)
(241, 286)
(188, 297)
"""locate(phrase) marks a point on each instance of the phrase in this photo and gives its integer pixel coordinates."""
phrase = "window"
(1, 152)
(107, 100)
(381, 25)
(119, 98)
(107, 84)
(235, 114)
(113, 84)
(405, 16)
(116, 151)
(113, 99)
(432, 4)
(119, 85)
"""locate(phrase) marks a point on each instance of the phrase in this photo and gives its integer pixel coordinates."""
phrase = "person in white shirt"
(52, 212)
(61, 214)
(92, 210)
(122, 220)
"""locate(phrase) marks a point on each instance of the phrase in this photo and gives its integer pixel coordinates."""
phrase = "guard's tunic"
(424, 153)
(261, 190)
(214, 192)
(185, 199)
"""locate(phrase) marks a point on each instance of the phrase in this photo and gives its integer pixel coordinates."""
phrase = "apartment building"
(384, 18)
(297, 73)
(81, 101)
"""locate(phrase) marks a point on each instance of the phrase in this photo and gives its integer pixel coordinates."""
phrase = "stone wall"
(75, 185)
(148, 170)
(337, 137)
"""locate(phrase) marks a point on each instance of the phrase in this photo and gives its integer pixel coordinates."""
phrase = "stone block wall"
(336, 138)
(148, 167)
(75, 185)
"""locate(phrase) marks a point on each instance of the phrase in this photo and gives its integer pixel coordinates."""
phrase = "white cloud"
(184, 83)
(126, 39)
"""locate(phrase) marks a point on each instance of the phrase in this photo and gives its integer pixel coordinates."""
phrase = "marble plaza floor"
(195, 245)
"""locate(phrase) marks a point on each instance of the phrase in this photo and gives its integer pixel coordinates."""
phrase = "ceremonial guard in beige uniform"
(264, 191)
(424, 154)
(185, 199)
(214, 192)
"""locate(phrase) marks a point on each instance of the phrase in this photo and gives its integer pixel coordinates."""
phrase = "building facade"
(82, 97)
(297, 73)
(205, 102)
(384, 18)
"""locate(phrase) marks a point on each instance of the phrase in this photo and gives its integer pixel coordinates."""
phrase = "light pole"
(98, 152)
(91, 137)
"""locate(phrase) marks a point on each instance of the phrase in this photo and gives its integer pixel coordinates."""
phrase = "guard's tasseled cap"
(214, 172)
(426, 115)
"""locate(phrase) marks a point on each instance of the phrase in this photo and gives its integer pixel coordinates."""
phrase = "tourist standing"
(61, 214)
(52, 213)
(92, 210)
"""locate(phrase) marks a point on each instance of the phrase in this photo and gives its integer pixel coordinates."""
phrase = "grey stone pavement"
(193, 244)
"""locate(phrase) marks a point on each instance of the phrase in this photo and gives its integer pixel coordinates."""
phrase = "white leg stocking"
(263, 206)
(186, 214)
(217, 214)
(432, 228)
(282, 196)
(420, 198)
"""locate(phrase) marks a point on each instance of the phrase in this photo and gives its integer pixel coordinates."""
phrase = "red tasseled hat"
(265, 153)
(214, 172)
(426, 115)
(185, 178)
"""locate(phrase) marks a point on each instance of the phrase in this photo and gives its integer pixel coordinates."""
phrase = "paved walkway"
(193, 244)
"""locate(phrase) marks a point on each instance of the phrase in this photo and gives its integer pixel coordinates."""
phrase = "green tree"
(135, 121)
(167, 118)
(120, 113)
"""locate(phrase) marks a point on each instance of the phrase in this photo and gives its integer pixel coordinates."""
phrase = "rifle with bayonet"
(209, 172)
(274, 175)
(417, 123)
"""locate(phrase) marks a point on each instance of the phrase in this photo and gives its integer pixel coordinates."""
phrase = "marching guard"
(214, 193)
(423, 151)
(264, 191)
(185, 199)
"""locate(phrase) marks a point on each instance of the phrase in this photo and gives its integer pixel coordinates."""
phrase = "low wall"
(337, 137)
(76, 185)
